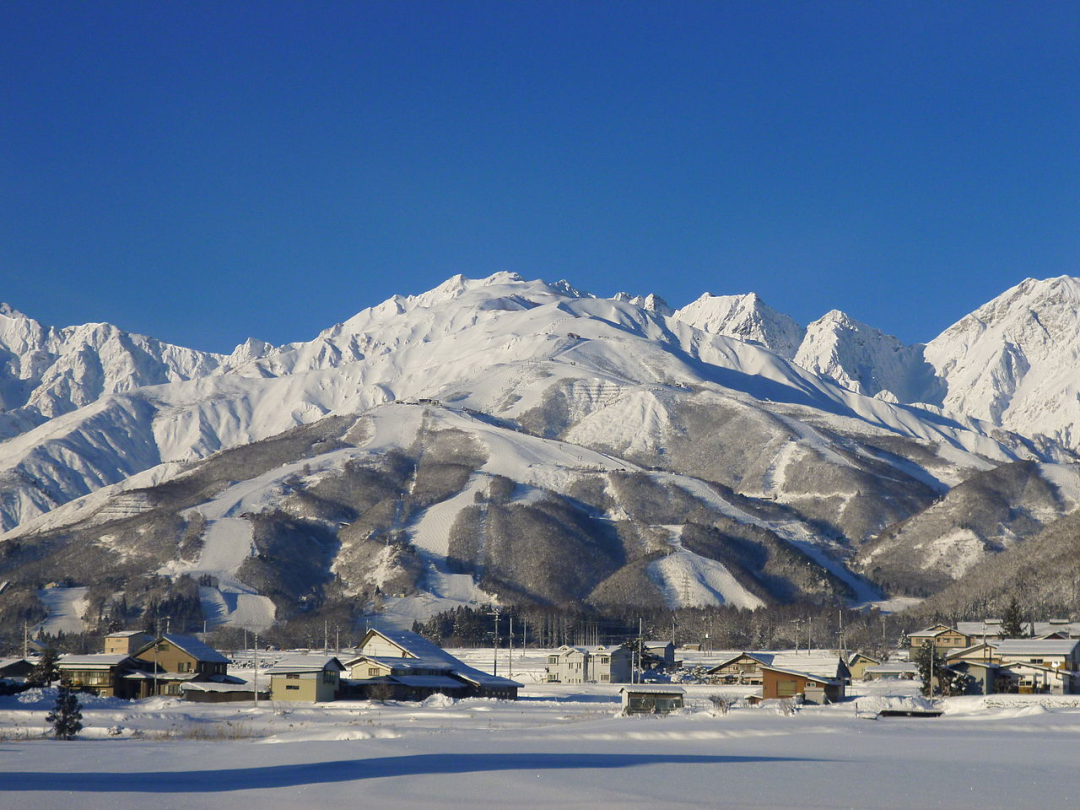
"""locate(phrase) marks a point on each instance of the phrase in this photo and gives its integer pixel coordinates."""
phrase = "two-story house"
(598, 664)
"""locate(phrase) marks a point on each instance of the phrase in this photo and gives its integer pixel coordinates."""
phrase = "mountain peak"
(651, 302)
(8, 311)
(744, 317)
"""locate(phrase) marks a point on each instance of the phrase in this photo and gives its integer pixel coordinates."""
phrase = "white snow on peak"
(864, 359)
(8, 311)
(651, 302)
(1014, 360)
(744, 317)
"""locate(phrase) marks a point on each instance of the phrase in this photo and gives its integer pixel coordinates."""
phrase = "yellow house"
(173, 659)
(306, 679)
(858, 664)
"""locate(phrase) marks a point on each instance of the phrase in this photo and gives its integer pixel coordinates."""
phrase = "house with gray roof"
(407, 666)
(598, 664)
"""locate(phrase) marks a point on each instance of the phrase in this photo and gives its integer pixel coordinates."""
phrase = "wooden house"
(306, 679)
(172, 660)
(780, 683)
(101, 674)
(411, 668)
(858, 663)
(942, 636)
(744, 668)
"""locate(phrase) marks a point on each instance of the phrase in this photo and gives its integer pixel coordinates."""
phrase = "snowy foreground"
(557, 746)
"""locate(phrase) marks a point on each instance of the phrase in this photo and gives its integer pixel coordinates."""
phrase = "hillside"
(513, 441)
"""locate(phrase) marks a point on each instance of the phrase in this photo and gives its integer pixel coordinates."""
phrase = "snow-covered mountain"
(1015, 361)
(744, 317)
(668, 463)
(46, 371)
(866, 360)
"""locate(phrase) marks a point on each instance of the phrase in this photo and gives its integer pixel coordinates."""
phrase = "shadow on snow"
(295, 775)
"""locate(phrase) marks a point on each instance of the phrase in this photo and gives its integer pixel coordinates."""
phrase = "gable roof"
(92, 660)
(932, 632)
(198, 650)
(857, 655)
(306, 663)
(802, 674)
(412, 644)
(1037, 646)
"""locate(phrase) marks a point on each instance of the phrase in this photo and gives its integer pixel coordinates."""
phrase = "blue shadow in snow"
(347, 770)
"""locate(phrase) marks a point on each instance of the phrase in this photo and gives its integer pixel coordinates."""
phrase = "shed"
(651, 699)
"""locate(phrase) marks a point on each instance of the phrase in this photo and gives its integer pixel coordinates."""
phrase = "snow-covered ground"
(65, 608)
(563, 745)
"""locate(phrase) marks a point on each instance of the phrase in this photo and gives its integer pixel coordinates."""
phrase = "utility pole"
(510, 657)
(325, 637)
(809, 630)
(255, 658)
(495, 648)
(796, 622)
(840, 619)
(25, 641)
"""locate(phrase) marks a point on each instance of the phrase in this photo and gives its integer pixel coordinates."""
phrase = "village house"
(306, 679)
(857, 664)
(406, 666)
(590, 665)
(172, 660)
(982, 677)
(943, 637)
(983, 651)
(744, 668)
(778, 683)
(126, 642)
(660, 653)
(101, 674)
(891, 671)
(748, 667)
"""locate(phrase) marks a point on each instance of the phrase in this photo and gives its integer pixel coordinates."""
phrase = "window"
(786, 688)
(605, 677)
(329, 676)
(373, 672)
(292, 686)
(184, 666)
(553, 659)
(605, 659)
(292, 675)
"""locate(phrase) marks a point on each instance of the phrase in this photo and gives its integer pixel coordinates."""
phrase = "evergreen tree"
(66, 716)
(1012, 621)
(930, 665)
(45, 670)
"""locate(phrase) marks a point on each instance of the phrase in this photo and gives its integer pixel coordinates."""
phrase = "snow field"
(561, 746)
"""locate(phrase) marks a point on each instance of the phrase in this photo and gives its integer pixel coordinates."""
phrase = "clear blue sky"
(203, 172)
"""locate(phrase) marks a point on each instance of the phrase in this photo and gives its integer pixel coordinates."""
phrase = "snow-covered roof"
(820, 666)
(306, 663)
(126, 634)
(829, 679)
(414, 644)
(211, 686)
(428, 681)
(429, 654)
(653, 689)
(92, 660)
(1037, 646)
(893, 667)
(200, 650)
(929, 632)
(857, 655)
